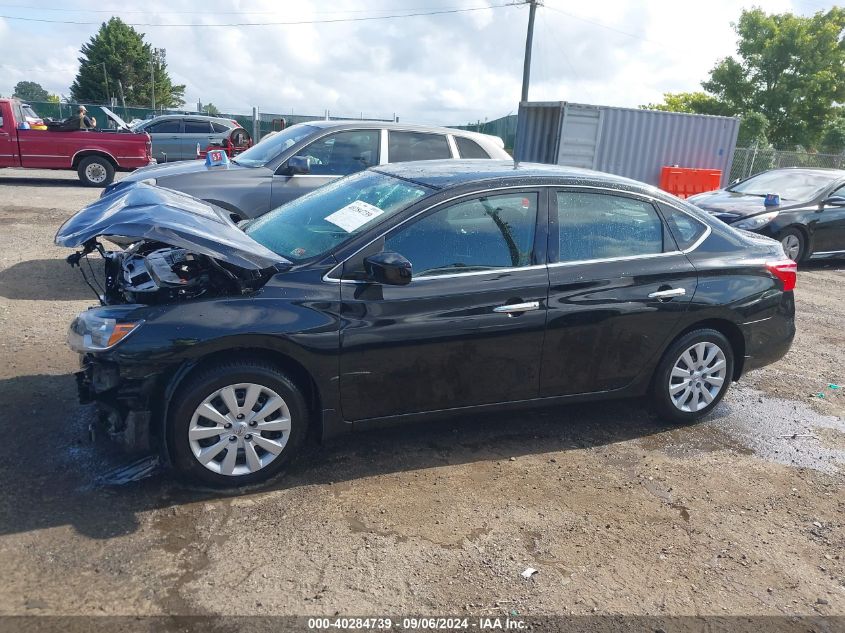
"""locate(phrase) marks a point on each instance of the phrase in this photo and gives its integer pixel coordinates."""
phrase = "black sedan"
(806, 210)
(410, 291)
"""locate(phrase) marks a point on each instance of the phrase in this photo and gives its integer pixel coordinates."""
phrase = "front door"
(829, 227)
(332, 156)
(468, 329)
(8, 142)
(166, 137)
(618, 285)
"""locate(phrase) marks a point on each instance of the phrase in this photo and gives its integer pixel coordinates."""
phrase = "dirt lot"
(618, 513)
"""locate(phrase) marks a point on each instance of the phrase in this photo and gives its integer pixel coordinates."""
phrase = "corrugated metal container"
(624, 141)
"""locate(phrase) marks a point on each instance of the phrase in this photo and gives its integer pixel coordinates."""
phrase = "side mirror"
(299, 165)
(388, 268)
(834, 201)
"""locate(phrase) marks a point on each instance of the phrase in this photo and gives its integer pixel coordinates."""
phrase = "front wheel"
(794, 244)
(693, 375)
(95, 171)
(236, 423)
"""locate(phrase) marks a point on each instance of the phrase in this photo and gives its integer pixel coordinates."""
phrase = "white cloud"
(443, 68)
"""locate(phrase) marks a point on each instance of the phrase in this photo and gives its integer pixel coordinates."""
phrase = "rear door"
(468, 329)
(196, 131)
(167, 140)
(404, 146)
(332, 156)
(618, 286)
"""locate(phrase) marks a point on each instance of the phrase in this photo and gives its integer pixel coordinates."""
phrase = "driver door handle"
(667, 294)
(517, 308)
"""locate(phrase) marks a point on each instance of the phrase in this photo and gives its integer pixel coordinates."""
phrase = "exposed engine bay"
(154, 273)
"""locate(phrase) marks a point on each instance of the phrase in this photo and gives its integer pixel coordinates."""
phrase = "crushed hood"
(178, 168)
(146, 212)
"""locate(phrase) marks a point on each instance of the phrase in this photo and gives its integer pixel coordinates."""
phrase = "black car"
(409, 291)
(808, 216)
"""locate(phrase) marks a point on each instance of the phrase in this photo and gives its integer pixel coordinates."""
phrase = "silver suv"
(175, 136)
(305, 156)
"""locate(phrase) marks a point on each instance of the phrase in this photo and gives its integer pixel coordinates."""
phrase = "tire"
(191, 435)
(95, 171)
(794, 240)
(697, 403)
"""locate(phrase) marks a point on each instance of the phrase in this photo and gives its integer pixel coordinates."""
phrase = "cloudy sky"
(447, 68)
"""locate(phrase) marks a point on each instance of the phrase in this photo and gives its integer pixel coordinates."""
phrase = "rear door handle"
(667, 294)
(516, 308)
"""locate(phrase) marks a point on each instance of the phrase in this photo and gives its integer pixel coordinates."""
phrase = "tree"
(211, 109)
(785, 82)
(833, 136)
(119, 53)
(53, 98)
(30, 91)
(790, 68)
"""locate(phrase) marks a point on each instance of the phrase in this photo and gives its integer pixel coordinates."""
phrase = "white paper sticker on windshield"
(354, 215)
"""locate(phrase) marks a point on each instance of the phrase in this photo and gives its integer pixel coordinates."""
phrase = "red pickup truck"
(95, 155)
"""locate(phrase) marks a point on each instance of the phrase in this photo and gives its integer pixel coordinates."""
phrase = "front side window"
(270, 147)
(468, 148)
(479, 234)
(330, 215)
(603, 226)
(165, 127)
(343, 153)
(407, 146)
(197, 127)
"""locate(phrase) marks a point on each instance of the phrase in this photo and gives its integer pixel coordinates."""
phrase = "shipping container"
(624, 141)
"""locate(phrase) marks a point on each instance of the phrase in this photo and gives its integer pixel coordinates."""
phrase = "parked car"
(235, 142)
(175, 136)
(303, 157)
(408, 291)
(31, 117)
(94, 154)
(809, 220)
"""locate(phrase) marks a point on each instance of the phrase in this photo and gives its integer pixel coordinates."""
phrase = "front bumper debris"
(123, 406)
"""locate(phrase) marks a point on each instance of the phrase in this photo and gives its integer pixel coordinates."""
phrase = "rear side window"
(197, 127)
(605, 226)
(406, 146)
(166, 127)
(219, 128)
(468, 148)
(685, 229)
(473, 235)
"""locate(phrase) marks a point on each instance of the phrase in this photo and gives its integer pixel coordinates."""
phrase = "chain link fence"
(267, 121)
(753, 160)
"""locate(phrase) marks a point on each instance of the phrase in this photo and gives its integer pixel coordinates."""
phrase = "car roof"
(165, 117)
(392, 125)
(442, 174)
(809, 170)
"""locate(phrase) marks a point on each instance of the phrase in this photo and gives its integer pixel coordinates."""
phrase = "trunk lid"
(146, 212)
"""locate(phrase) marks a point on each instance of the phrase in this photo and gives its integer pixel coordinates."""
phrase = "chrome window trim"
(328, 278)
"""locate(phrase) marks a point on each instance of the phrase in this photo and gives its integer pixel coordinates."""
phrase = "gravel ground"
(617, 512)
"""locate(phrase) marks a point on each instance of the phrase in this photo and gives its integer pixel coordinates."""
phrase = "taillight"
(786, 270)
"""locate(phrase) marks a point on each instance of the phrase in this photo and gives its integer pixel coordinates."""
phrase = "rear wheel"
(95, 171)
(794, 244)
(693, 375)
(236, 424)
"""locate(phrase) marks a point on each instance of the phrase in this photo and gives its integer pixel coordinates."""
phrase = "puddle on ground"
(749, 422)
(357, 526)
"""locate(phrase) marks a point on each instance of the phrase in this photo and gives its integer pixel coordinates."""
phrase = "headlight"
(92, 331)
(756, 222)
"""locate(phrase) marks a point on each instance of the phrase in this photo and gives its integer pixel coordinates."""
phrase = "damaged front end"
(172, 248)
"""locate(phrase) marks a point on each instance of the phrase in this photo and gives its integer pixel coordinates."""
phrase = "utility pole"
(122, 98)
(106, 82)
(529, 38)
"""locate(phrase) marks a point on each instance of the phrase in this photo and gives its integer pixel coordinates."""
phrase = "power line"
(292, 23)
(599, 24)
(213, 13)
